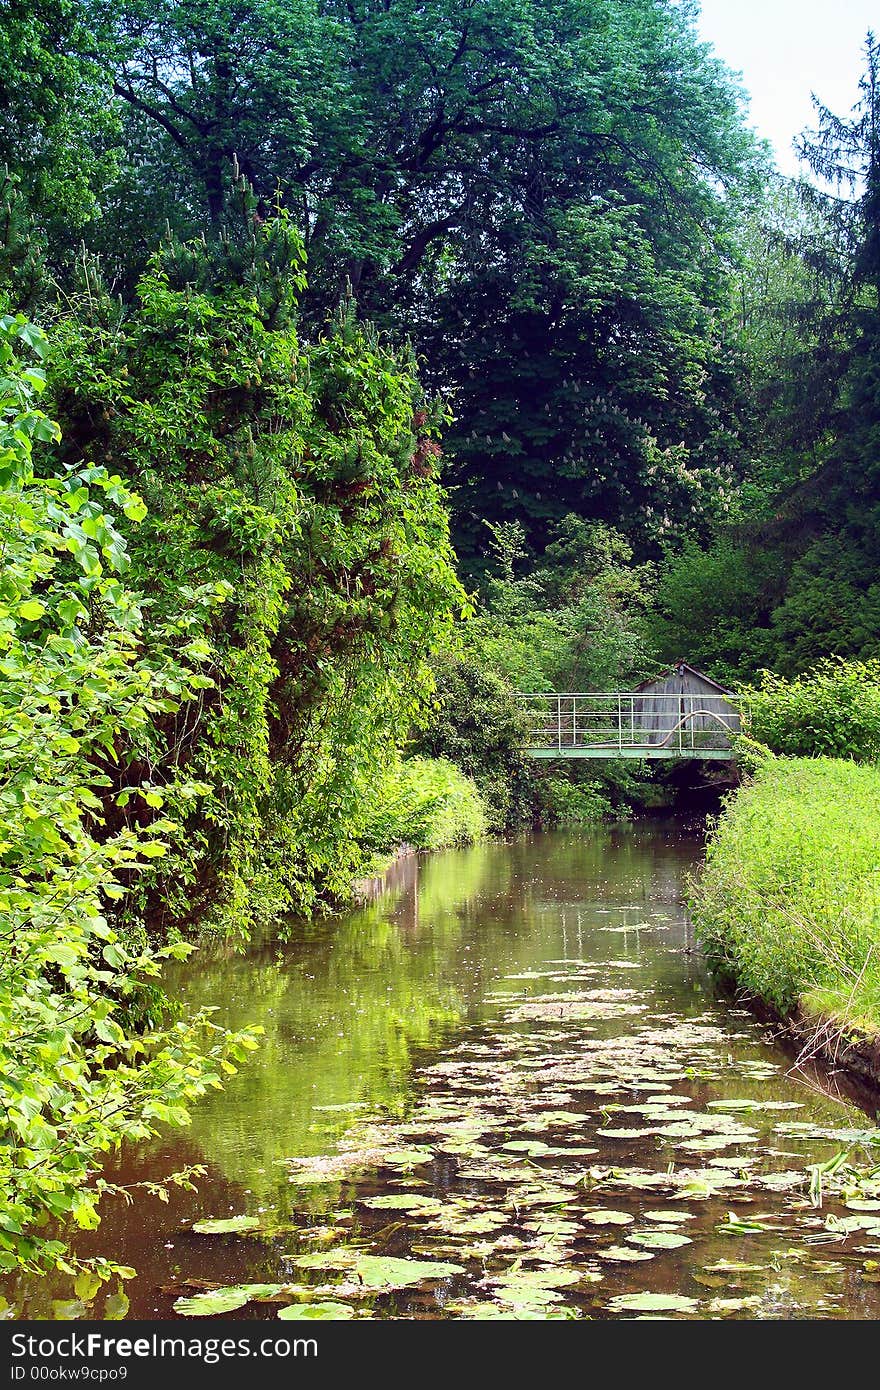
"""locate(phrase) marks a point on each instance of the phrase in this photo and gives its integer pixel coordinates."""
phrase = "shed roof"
(681, 668)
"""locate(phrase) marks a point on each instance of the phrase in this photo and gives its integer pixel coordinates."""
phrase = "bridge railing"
(625, 720)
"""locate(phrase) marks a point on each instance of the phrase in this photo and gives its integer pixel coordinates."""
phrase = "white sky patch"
(786, 49)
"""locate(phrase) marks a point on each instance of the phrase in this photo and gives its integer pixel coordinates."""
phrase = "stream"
(504, 1089)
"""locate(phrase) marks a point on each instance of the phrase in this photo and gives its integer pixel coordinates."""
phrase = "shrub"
(424, 802)
(76, 691)
(477, 725)
(565, 802)
(832, 710)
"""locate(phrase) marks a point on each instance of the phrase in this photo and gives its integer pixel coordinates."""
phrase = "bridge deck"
(630, 724)
(634, 750)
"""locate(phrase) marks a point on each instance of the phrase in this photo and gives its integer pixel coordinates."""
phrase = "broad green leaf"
(31, 610)
(225, 1225)
(328, 1310)
(652, 1303)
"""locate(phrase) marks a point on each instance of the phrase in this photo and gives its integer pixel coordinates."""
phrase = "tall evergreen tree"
(804, 576)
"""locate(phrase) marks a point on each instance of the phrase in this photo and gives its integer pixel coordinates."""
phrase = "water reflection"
(354, 1010)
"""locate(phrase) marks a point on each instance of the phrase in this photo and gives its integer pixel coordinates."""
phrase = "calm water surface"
(512, 1064)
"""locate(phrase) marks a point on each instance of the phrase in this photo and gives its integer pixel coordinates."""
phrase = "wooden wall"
(684, 694)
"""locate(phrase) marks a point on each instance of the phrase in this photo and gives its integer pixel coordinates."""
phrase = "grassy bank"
(788, 904)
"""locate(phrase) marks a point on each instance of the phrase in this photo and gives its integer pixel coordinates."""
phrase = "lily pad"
(507, 1312)
(226, 1300)
(734, 1305)
(736, 1226)
(535, 1279)
(599, 1216)
(707, 1143)
(406, 1158)
(524, 1296)
(623, 1254)
(752, 1104)
(458, 1222)
(668, 1217)
(336, 1311)
(226, 1225)
(658, 1240)
(380, 1271)
(403, 1201)
(652, 1303)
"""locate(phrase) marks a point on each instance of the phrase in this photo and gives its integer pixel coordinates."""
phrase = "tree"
(302, 477)
(845, 152)
(791, 308)
(804, 581)
(832, 521)
(57, 121)
(493, 175)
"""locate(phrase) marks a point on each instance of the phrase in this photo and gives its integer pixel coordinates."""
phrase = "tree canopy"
(534, 194)
(803, 580)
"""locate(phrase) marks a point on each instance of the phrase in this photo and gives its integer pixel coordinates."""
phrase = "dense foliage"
(788, 901)
(423, 803)
(196, 706)
(75, 1076)
(475, 723)
(573, 620)
(284, 254)
(796, 578)
(535, 193)
(300, 480)
(832, 710)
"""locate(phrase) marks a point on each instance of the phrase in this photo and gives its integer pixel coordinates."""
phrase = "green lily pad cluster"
(569, 1161)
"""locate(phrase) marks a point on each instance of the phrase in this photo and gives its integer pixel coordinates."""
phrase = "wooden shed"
(683, 708)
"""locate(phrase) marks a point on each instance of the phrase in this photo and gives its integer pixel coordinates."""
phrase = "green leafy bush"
(833, 710)
(476, 724)
(565, 801)
(574, 621)
(302, 479)
(77, 695)
(711, 604)
(427, 803)
(788, 903)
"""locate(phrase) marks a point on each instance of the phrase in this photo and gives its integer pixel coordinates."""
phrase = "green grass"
(788, 904)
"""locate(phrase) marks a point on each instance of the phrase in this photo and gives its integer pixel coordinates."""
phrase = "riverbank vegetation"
(79, 1072)
(391, 359)
(300, 480)
(831, 710)
(788, 904)
(423, 803)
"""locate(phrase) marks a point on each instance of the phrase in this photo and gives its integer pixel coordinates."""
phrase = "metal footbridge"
(630, 724)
